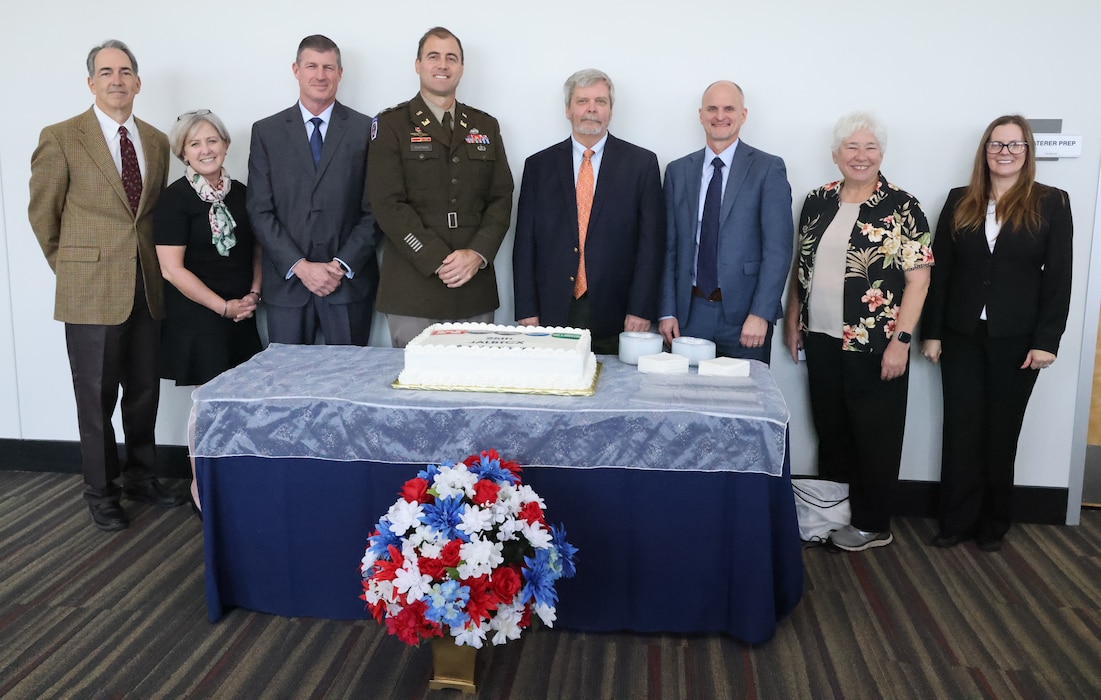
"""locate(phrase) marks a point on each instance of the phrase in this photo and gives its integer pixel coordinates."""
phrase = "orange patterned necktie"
(131, 173)
(585, 188)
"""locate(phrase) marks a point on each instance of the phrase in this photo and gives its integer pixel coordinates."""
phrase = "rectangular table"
(676, 491)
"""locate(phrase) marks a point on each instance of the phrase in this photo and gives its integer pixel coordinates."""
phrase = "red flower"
(506, 583)
(450, 554)
(432, 567)
(387, 570)
(513, 466)
(485, 491)
(410, 626)
(532, 512)
(416, 490)
(482, 600)
(525, 617)
(378, 611)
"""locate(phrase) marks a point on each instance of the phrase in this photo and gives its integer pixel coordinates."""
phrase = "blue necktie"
(315, 140)
(707, 259)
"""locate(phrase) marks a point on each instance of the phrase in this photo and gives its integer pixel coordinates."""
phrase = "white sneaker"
(850, 539)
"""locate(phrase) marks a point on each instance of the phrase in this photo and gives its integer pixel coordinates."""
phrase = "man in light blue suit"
(728, 242)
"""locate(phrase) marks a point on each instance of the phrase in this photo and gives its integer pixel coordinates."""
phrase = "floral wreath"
(465, 550)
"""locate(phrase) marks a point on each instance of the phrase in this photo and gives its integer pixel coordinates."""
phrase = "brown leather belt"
(716, 295)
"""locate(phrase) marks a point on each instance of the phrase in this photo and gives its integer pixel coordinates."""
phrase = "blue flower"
(446, 603)
(445, 516)
(565, 550)
(491, 469)
(429, 473)
(381, 541)
(539, 579)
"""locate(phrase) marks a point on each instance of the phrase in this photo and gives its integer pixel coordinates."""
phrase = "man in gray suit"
(307, 201)
(729, 236)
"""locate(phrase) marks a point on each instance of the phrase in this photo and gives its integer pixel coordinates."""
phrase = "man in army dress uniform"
(441, 190)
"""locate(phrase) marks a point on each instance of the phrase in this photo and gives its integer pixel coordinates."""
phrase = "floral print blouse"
(890, 238)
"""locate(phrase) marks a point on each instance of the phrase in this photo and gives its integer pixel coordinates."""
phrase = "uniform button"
(421, 156)
(454, 200)
(454, 181)
(572, 279)
(454, 159)
(576, 250)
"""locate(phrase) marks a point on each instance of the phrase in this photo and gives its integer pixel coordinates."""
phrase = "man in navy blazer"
(755, 236)
(307, 202)
(624, 236)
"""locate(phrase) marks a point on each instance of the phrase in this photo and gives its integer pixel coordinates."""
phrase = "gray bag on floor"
(822, 506)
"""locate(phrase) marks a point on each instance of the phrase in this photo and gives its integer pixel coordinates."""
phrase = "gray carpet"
(87, 614)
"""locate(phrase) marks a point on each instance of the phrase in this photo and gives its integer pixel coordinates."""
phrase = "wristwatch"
(904, 337)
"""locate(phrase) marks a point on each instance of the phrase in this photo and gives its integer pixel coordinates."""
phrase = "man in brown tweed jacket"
(97, 234)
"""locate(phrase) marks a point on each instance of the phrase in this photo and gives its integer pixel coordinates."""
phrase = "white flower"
(480, 557)
(475, 520)
(538, 535)
(506, 623)
(546, 613)
(410, 581)
(470, 635)
(508, 499)
(508, 529)
(380, 590)
(455, 481)
(527, 495)
(404, 515)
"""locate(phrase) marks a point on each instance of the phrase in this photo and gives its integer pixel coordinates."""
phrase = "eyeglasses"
(1015, 147)
(204, 112)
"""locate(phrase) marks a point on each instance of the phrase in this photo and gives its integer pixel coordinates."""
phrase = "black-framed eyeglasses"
(204, 112)
(1015, 147)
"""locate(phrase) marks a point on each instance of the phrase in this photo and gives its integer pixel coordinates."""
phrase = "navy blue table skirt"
(658, 551)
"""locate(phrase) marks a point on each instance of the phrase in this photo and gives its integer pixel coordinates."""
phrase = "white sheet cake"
(483, 355)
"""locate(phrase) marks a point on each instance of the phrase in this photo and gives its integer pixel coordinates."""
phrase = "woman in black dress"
(210, 257)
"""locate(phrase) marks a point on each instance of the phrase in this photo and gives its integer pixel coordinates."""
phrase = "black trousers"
(985, 396)
(103, 358)
(578, 317)
(860, 420)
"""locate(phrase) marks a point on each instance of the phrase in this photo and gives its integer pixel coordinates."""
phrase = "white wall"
(935, 72)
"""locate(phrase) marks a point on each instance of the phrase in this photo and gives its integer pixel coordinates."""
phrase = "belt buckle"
(452, 220)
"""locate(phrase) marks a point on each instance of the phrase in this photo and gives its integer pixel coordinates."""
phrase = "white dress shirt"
(110, 129)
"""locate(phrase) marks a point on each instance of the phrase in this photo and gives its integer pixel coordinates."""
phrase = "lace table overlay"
(337, 403)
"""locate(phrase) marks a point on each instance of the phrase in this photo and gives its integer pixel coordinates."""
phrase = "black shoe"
(109, 515)
(153, 492)
(990, 544)
(945, 541)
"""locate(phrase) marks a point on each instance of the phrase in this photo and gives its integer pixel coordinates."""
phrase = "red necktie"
(131, 173)
(585, 188)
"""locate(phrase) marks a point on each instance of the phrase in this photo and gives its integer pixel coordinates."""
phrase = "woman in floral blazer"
(861, 275)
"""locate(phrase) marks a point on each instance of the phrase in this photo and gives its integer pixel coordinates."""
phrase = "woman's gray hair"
(586, 77)
(187, 123)
(855, 121)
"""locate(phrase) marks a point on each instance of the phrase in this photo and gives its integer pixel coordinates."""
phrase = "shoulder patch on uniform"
(374, 128)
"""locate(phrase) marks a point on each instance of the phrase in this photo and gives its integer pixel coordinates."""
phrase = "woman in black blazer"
(996, 310)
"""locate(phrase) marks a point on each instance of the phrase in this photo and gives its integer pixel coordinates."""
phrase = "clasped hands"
(459, 267)
(320, 278)
(240, 309)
